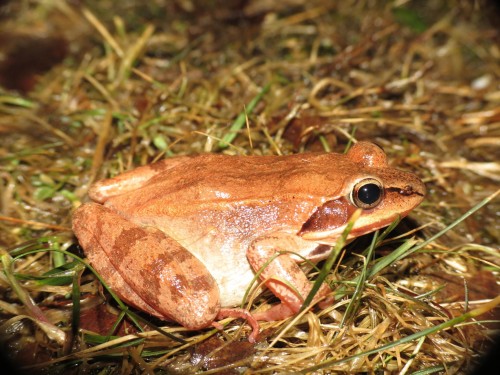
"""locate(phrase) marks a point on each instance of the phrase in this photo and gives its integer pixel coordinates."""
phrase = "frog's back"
(210, 177)
(208, 184)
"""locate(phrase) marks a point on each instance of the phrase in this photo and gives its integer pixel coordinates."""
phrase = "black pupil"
(369, 193)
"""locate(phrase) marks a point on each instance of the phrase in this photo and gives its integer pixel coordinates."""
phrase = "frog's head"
(381, 193)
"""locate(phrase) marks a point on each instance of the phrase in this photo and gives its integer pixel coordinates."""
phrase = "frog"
(183, 238)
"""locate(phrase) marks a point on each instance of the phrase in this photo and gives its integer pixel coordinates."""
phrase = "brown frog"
(183, 238)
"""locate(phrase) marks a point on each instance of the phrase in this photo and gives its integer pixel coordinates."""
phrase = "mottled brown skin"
(183, 238)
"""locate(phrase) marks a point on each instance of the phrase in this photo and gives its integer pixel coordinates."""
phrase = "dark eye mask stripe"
(406, 191)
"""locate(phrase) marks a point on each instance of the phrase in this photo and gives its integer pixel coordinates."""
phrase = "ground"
(91, 89)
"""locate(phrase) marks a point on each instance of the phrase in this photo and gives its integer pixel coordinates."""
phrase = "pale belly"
(228, 265)
(233, 280)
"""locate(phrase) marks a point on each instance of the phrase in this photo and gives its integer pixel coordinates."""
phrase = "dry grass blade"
(451, 323)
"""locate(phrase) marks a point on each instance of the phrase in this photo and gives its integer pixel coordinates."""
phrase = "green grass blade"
(241, 119)
(354, 302)
(325, 270)
(75, 296)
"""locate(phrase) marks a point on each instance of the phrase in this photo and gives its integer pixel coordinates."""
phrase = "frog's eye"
(367, 193)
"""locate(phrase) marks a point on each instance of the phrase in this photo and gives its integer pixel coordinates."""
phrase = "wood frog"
(183, 238)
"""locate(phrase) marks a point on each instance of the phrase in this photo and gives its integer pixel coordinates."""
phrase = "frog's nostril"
(409, 190)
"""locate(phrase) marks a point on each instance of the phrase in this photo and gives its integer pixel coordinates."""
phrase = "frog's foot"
(277, 312)
(282, 311)
(328, 301)
(243, 314)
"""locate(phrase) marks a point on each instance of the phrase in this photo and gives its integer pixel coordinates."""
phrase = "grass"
(115, 85)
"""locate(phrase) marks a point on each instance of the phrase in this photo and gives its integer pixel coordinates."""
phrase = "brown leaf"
(215, 352)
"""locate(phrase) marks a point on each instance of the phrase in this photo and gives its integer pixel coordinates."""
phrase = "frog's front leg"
(147, 268)
(282, 275)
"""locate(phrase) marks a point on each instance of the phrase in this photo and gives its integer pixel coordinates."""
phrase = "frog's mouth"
(330, 237)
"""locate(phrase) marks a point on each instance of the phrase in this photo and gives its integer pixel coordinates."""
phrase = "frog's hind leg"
(147, 268)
